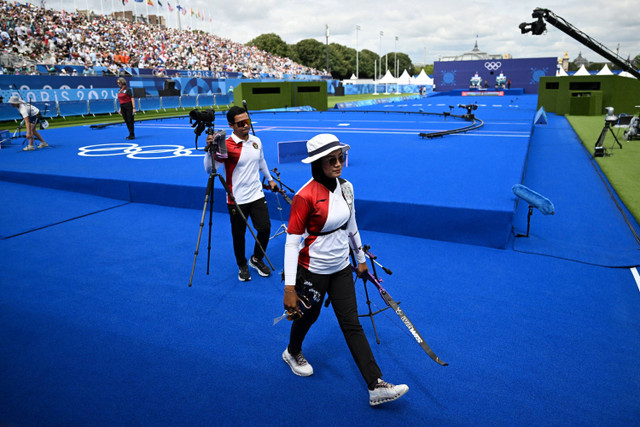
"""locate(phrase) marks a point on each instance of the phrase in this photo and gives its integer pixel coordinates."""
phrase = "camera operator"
(245, 159)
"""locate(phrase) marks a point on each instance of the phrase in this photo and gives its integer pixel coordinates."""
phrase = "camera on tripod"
(469, 108)
(203, 119)
(609, 120)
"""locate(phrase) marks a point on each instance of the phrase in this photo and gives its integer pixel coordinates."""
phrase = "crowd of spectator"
(44, 36)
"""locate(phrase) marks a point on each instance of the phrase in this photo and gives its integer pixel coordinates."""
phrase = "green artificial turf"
(620, 166)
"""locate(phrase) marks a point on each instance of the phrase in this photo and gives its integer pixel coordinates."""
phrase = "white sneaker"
(297, 363)
(29, 148)
(385, 392)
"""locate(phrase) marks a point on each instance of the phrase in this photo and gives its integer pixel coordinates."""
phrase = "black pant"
(127, 115)
(341, 290)
(259, 214)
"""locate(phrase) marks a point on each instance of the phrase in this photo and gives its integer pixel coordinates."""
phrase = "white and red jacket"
(323, 219)
(245, 159)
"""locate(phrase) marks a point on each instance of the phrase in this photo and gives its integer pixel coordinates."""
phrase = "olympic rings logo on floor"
(492, 66)
(136, 151)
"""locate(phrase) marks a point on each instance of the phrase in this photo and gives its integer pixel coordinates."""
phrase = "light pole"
(380, 54)
(357, 69)
(395, 55)
(327, 35)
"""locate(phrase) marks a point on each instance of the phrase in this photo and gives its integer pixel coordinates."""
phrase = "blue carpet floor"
(459, 185)
(99, 326)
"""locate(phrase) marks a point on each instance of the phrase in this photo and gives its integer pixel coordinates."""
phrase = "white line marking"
(636, 276)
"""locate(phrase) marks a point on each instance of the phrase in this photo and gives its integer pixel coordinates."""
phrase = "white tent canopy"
(404, 79)
(627, 74)
(582, 71)
(387, 78)
(422, 79)
(561, 72)
(605, 71)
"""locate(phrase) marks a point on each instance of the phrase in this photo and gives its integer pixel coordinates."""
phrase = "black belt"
(324, 233)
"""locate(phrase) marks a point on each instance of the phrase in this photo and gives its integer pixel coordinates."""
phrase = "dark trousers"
(127, 115)
(259, 214)
(341, 290)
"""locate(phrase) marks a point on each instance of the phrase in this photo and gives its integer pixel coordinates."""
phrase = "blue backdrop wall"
(524, 73)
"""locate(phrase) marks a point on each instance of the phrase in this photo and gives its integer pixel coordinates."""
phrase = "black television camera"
(201, 119)
(469, 108)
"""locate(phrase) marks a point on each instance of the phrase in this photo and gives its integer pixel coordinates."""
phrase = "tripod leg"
(210, 194)
(615, 138)
(599, 143)
(370, 315)
(204, 212)
(244, 218)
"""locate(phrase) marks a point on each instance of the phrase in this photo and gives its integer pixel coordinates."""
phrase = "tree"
(595, 66)
(311, 52)
(342, 61)
(404, 63)
(271, 43)
(367, 59)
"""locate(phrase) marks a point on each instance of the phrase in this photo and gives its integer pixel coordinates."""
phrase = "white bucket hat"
(14, 99)
(321, 145)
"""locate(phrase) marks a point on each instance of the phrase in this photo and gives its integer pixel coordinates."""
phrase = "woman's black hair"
(319, 175)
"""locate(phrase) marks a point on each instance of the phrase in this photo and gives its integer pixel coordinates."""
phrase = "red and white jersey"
(323, 220)
(245, 159)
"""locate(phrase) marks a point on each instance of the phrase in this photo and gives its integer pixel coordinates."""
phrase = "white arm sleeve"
(264, 168)
(356, 237)
(291, 249)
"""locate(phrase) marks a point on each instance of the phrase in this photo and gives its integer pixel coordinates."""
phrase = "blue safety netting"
(73, 108)
(149, 104)
(170, 102)
(102, 106)
(189, 101)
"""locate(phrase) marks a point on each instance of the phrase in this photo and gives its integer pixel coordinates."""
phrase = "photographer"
(245, 159)
(32, 117)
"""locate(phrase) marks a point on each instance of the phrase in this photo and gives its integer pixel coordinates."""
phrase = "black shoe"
(131, 137)
(243, 274)
(259, 265)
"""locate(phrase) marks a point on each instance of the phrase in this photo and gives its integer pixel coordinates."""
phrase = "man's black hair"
(233, 112)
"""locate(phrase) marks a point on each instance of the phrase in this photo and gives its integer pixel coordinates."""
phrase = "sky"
(423, 29)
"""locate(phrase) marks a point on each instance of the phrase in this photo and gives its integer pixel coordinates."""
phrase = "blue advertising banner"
(490, 74)
(47, 88)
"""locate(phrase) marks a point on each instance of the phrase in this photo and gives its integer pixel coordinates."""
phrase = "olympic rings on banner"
(135, 151)
(492, 66)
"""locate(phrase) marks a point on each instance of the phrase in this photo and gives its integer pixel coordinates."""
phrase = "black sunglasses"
(243, 123)
(334, 160)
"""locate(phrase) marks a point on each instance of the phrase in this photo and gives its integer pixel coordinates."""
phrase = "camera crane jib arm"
(538, 27)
